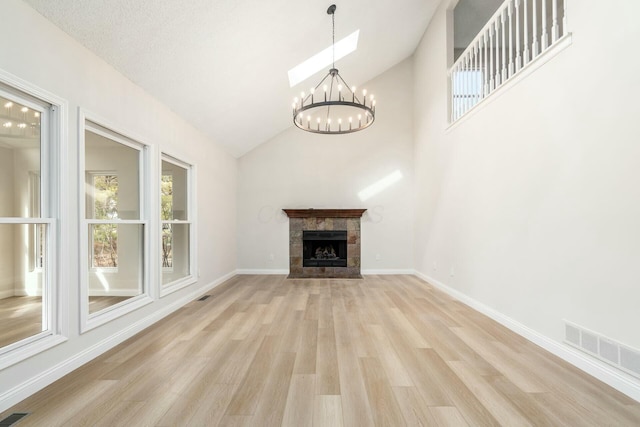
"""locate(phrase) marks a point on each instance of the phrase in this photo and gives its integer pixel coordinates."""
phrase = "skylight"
(323, 59)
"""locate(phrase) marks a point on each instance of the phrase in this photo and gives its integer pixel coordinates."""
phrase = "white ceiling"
(222, 64)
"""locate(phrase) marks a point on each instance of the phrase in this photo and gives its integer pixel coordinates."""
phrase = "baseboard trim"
(605, 373)
(387, 272)
(40, 381)
(7, 294)
(245, 271)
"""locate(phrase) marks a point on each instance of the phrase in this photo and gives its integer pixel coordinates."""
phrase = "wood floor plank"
(385, 350)
(245, 399)
(300, 401)
(448, 416)
(272, 402)
(327, 411)
(327, 376)
(382, 401)
(414, 409)
(308, 348)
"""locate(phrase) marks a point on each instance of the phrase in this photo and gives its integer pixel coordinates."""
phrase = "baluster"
(486, 66)
(476, 70)
(454, 105)
(554, 22)
(535, 46)
(504, 45)
(564, 17)
(497, 49)
(526, 33)
(545, 38)
(466, 84)
(518, 58)
(510, 15)
(491, 79)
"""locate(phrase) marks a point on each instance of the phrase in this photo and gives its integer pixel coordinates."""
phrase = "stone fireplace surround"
(324, 219)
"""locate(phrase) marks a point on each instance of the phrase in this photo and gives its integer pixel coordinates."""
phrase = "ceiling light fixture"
(324, 112)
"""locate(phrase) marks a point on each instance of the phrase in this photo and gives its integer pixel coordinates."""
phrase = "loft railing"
(518, 32)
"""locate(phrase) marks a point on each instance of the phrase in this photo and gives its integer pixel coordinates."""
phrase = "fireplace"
(324, 243)
(324, 248)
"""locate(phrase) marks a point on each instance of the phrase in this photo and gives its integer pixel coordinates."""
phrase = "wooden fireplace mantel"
(324, 213)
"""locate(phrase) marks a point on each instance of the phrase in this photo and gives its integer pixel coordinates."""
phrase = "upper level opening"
(489, 48)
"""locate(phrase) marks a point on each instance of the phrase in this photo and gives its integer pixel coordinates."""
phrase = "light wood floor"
(386, 351)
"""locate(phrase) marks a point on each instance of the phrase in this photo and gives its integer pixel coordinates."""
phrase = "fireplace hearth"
(324, 243)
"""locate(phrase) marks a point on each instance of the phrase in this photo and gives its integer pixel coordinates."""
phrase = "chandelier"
(332, 106)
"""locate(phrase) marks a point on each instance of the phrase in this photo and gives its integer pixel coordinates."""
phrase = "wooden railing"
(518, 32)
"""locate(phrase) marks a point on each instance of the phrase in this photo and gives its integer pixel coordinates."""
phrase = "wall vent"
(612, 352)
(13, 418)
(630, 360)
(202, 298)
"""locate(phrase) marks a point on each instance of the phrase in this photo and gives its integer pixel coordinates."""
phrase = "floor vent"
(13, 418)
(623, 357)
(203, 298)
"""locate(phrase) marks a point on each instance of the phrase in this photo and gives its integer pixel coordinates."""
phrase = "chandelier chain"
(333, 44)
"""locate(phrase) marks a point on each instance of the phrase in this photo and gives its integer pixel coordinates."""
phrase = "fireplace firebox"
(324, 243)
(324, 248)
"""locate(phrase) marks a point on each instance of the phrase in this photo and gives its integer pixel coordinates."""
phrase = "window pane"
(175, 252)
(105, 245)
(116, 272)
(174, 192)
(19, 160)
(21, 313)
(113, 187)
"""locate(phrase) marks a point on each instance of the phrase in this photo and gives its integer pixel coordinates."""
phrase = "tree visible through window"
(166, 206)
(105, 206)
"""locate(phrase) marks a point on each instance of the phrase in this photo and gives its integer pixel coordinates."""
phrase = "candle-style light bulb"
(36, 114)
(364, 92)
(24, 109)
(8, 105)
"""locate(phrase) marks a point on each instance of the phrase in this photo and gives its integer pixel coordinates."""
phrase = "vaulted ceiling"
(222, 64)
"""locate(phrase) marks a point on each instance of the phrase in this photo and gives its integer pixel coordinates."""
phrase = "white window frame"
(88, 121)
(53, 149)
(191, 221)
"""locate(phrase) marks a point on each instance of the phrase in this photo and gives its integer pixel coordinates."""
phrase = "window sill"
(29, 347)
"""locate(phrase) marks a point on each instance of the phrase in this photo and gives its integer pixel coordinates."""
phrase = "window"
(176, 247)
(29, 139)
(114, 279)
(104, 204)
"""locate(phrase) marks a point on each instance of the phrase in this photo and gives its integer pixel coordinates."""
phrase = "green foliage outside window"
(166, 212)
(105, 236)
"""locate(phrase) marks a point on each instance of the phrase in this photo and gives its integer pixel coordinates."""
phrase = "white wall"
(297, 169)
(38, 52)
(533, 200)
